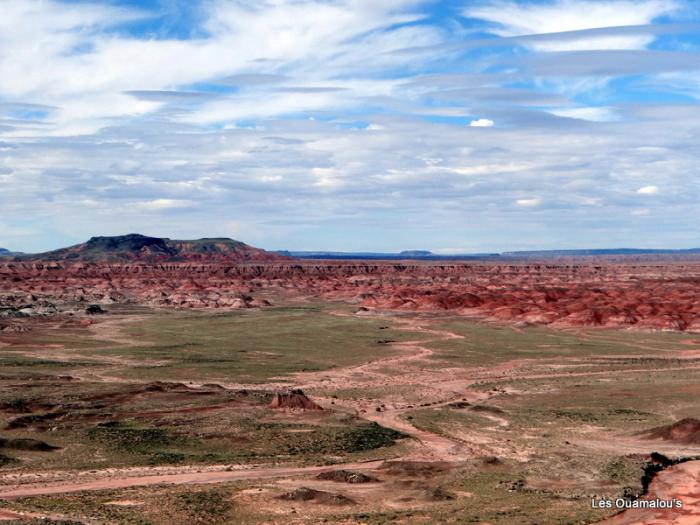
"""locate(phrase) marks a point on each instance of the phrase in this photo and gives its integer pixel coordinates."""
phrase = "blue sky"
(460, 126)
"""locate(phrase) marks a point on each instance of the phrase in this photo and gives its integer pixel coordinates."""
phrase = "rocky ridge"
(142, 248)
(649, 296)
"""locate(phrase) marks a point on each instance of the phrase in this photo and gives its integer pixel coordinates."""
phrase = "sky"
(355, 125)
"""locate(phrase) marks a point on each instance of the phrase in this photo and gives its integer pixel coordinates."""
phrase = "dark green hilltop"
(136, 247)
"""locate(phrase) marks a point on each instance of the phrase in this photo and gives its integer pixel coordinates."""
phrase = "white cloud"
(163, 204)
(62, 55)
(489, 169)
(482, 123)
(529, 18)
(529, 203)
(94, 116)
(648, 190)
(594, 114)
(299, 180)
(685, 82)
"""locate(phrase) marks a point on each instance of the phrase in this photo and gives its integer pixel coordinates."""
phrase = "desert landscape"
(157, 381)
(356, 262)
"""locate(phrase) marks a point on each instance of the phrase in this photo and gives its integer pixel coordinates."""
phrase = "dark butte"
(135, 247)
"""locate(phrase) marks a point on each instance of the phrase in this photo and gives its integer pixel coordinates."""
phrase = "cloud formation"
(648, 190)
(529, 203)
(482, 123)
(530, 18)
(353, 124)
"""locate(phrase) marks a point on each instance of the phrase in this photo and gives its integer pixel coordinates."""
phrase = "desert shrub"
(131, 439)
(204, 507)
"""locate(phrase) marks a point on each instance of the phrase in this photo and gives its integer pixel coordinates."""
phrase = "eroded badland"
(304, 392)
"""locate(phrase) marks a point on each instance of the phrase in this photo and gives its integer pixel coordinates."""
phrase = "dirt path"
(403, 369)
(113, 330)
(181, 478)
(681, 482)
(408, 371)
(6, 515)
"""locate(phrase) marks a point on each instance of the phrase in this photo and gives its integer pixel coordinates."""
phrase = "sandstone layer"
(648, 296)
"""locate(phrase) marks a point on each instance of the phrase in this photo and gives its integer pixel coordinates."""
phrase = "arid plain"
(222, 385)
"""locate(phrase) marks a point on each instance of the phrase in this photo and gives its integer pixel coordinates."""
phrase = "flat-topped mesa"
(135, 247)
(6, 254)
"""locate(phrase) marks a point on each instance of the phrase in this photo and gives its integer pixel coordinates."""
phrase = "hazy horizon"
(353, 125)
(386, 251)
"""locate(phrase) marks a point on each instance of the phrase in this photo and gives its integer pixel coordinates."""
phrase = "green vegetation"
(131, 440)
(204, 507)
(551, 407)
(488, 344)
(624, 471)
(251, 346)
(145, 506)
(102, 425)
(630, 403)
(502, 501)
(449, 422)
(239, 346)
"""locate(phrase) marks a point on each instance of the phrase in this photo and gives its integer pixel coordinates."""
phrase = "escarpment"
(649, 296)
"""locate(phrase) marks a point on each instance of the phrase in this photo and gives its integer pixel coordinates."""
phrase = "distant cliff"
(136, 247)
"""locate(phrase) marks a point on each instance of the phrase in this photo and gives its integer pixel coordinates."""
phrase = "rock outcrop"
(318, 496)
(346, 476)
(293, 400)
(686, 431)
(661, 296)
(137, 247)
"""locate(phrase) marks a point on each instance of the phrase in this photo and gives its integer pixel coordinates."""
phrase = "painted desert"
(145, 380)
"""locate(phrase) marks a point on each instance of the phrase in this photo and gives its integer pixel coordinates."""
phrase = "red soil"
(680, 482)
(649, 296)
(684, 431)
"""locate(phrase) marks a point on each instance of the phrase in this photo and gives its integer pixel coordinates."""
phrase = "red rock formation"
(684, 431)
(293, 400)
(649, 296)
